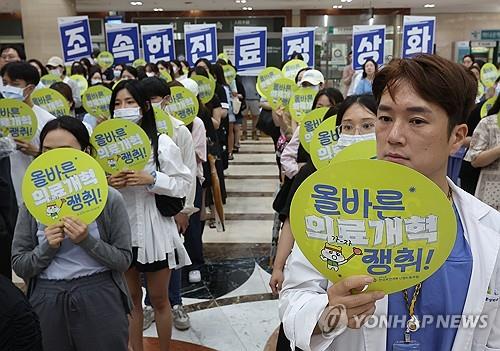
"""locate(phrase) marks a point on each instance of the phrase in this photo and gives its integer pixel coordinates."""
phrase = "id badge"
(406, 346)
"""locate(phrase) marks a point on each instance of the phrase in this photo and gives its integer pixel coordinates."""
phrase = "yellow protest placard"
(83, 84)
(309, 123)
(301, 103)
(64, 183)
(120, 145)
(49, 79)
(183, 105)
(96, 101)
(105, 60)
(323, 140)
(163, 122)
(206, 87)
(351, 219)
(281, 92)
(265, 80)
(292, 67)
(489, 74)
(52, 101)
(229, 73)
(487, 106)
(366, 149)
(17, 119)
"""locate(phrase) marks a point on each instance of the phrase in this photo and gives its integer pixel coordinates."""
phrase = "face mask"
(150, 74)
(497, 89)
(315, 87)
(132, 114)
(117, 73)
(95, 81)
(346, 140)
(55, 72)
(156, 104)
(10, 92)
(175, 69)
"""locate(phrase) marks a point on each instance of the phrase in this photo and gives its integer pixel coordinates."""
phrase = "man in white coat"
(423, 104)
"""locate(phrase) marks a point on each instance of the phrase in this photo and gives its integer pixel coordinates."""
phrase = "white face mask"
(175, 69)
(117, 73)
(132, 114)
(95, 81)
(156, 104)
(346, 140)
(10, 92)
(55, 71)
(150, 74)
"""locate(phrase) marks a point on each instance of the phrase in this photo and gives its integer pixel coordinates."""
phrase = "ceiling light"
(136, 3)
(238, 1)
(243, 1)
(249, 8)
(157, 9)
(345, 0)
(337, 6)
(245, 8)
(429, 5)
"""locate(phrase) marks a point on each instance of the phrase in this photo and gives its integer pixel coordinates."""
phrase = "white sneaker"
(149, 317)
(180, 318)
(194, 276)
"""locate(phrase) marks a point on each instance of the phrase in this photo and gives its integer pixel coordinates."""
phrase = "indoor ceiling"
(417, 6)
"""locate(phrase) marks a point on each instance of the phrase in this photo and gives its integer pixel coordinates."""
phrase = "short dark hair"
(364, 65)
(200, 71)
(473, 59)
(206, 62)
(154, 86)
(17, 48)
(367, 101)
(70, 124)
(21, 70)
(153, 67)
(64, 89)
(435, 79)
(334, 96)
(40, 65)
(130, 69)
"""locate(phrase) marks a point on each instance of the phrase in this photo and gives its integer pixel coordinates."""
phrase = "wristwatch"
(153, 174)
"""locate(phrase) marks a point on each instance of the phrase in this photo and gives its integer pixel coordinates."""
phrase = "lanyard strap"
(411, 304)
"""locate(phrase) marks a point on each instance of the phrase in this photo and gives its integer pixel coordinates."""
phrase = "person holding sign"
(19, 81)
(423, 104)
(55, 65)
(370, 68)
(74, 269)
(484, 153)
(156, 243)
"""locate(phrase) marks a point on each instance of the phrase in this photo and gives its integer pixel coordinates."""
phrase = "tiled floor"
(233, 309)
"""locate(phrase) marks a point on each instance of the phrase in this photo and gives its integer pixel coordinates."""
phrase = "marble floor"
(233, 308)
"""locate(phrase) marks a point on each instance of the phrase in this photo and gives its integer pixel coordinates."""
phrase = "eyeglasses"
(349, 128)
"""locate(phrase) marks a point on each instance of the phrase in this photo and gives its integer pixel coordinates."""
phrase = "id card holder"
(406, 346)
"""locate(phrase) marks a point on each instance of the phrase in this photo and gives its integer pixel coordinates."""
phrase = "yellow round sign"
(139, 62)
(354, 220)
(301, 103)
(292, 67)
(266, 79)
(487, 106)
(166, 76)
(50, 79)
(17, 119)
(281, 92)
(120, 145)
(96, 101)
(163, 122)
(366, 149)
(83, 84)
(229, 73)
(321, 147)
(489, 74)
(64, 183)
(206, 87)
(183, 105)
(105, 60)
(309, 123)
(480, 91)
(52, 101)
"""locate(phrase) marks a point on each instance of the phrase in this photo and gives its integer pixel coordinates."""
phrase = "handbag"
(236, 105)
(168, 206)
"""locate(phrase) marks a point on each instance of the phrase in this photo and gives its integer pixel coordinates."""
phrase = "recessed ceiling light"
(157, 9)
(243, 1)
(337, 6)
(238, 1)
(244, 8)
(136, 3)
(249, 8)
(345, 0)
(429, 5)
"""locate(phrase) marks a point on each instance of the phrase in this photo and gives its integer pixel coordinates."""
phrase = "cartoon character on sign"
(113, 162)
(53, 210)
(334, 257)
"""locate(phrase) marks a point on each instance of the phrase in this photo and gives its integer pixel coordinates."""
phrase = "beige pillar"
(40, 31)
(295, 18)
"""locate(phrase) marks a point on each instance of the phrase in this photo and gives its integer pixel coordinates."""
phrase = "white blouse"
(156, 236)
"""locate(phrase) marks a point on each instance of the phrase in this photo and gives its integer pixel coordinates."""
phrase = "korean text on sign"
(123, 41)
(250, 45)
(158, 43)
(418, 35)
(298, 40)
(201, 42)
(75, 37)
(368, 43)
